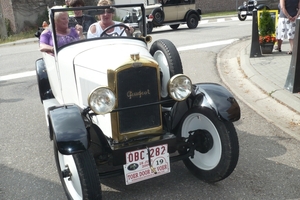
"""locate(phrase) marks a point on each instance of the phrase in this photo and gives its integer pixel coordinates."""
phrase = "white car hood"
(103, 54)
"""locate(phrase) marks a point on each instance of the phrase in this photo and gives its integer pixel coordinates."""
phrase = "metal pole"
(292, 82)
(255, 47)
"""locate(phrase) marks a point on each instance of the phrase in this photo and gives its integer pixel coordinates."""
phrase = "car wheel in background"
(158, 16)
(167, 56)
(192, 21)
(174, 26)
(242, 17)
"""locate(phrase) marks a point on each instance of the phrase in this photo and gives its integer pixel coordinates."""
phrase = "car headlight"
(245, 3)
(102, 100)
(255, 3)
(180, 87)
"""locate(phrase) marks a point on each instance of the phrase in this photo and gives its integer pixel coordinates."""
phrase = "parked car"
(113, 106)
(169, 13)
(248, 6)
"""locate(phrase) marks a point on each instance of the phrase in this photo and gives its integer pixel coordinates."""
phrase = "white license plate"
(243, 12)
(137, 166)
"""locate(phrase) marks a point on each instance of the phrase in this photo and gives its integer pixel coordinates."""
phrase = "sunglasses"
(102, 11)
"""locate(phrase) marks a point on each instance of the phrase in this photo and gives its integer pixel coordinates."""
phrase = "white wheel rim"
(160, 57)
(73, 185)
(209, 160)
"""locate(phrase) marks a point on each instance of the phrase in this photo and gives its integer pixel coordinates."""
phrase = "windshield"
(73, 25)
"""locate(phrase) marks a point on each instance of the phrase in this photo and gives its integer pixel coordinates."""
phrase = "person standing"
(289, 12)
(84, 20)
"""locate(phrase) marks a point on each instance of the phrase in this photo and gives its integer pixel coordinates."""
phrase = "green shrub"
(266, 24)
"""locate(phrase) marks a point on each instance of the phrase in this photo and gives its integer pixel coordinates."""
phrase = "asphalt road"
(268, 167)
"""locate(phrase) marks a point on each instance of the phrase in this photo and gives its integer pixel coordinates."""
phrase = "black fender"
(242, 8)
(42, 80)
(67, 126)
(262, 6)
(210, 95)
(188, 13)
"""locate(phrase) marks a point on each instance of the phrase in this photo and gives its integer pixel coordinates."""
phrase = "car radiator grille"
(138, 86)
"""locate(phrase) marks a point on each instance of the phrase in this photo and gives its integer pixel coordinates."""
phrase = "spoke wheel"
(216, 147)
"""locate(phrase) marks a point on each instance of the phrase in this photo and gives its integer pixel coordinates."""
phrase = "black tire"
(192, 21)
(220, 157)
(174, 26)
(158, 16)
(242, 17)
(167, 56)
(84, 183)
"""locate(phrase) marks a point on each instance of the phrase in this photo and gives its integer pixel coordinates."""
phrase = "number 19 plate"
(137, 167)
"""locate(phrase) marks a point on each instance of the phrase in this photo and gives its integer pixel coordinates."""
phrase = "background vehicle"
(247, 8)
(132, 112)
(171, 13)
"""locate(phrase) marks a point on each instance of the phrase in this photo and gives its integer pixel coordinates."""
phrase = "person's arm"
(298, 9)
(79, 30)
(45, 45)
(92, 32)
(282, 7)
(46, 48)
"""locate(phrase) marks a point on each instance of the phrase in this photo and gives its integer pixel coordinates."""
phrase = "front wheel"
(215, 144)
(192, 21)
(79, 175)
(242, 17)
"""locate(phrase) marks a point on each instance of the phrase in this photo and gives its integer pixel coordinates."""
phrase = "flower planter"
(267, 48)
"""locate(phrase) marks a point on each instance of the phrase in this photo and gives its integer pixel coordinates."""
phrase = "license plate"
(137, 167)
(243, 12)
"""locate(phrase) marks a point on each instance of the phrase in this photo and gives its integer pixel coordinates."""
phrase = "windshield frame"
(94, 9)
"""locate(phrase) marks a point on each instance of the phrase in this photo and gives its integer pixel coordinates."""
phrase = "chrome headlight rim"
(174, 79)
(255, 3)
(106, 92)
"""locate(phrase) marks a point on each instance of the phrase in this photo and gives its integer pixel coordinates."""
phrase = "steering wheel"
(114, 34)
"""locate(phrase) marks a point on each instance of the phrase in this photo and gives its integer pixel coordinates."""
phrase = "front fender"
(262, 6)
(242, 8)
(67, 126)
(188, 13)
(42, 80)
(211, 95)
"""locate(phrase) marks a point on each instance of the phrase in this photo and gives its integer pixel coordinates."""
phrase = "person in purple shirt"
(64, 34)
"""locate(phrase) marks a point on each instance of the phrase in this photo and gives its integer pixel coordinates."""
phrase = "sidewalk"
(270, 71)
(259, 83)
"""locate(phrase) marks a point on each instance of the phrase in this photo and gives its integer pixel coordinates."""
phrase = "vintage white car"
(116, 107)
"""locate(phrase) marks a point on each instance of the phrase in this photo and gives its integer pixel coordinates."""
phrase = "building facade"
(19, 15)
